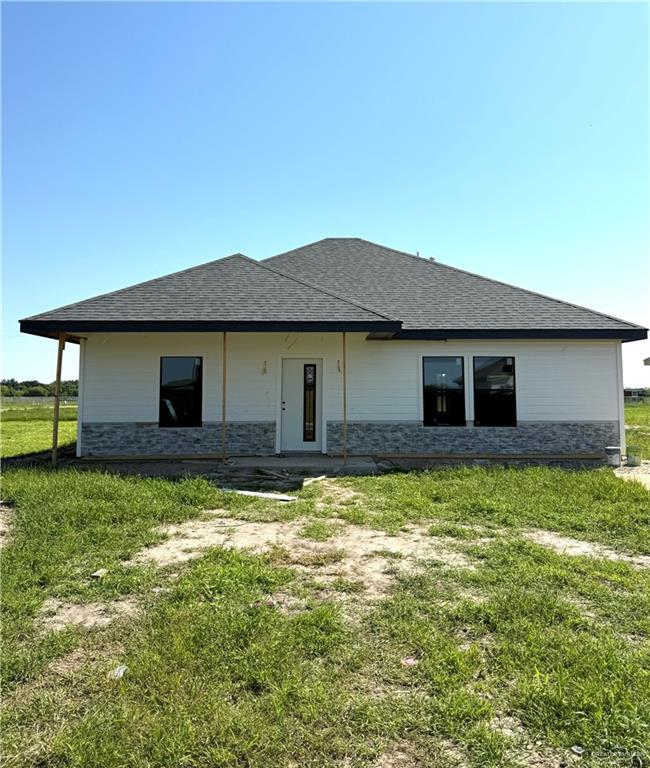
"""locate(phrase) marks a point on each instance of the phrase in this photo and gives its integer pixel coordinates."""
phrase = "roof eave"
(621, 334)
(54, 327)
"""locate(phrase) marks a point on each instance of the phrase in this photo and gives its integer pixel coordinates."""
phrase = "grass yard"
(418, 619)
(28, 428)
(637, 421)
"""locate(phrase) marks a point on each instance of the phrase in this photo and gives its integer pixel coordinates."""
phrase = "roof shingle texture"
(425, 294)
(235, 288)
(337, 280)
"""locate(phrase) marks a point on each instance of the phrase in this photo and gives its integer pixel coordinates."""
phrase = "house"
(342, 346)
(634, 393)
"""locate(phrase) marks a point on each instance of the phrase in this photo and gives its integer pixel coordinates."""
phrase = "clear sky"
(139, 139)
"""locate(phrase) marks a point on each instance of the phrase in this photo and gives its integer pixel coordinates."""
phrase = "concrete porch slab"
(307, 463)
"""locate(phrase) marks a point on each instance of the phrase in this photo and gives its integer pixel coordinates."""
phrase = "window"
(309, 404)
(443, 392)
(494, 392)
(180, 391)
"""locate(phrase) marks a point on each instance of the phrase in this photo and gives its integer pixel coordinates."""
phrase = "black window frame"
(483, 422)
(196, 422)
(437, 423)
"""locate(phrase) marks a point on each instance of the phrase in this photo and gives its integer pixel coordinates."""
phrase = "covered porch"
(212, 394)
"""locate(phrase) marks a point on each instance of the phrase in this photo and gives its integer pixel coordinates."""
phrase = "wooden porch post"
(223, 399)
(345, 403)
(57, 400)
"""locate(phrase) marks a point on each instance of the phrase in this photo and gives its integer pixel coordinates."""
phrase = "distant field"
(637, 422)
(28, 428)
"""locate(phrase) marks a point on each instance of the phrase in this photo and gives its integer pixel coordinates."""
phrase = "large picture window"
(181, 381)
(443, 392)
(494, 392)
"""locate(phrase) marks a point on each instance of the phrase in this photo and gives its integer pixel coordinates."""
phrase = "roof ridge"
(434, 263)
(135, 285)
(324, 239)
(533, 293)
(299, 248)
(316, 287)
(387, 248)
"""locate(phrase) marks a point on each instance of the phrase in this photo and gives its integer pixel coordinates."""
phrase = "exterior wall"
(127, 439)
(528, 437)
(567, 394)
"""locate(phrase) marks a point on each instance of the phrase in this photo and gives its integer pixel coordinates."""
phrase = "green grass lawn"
(512, 661)
(28, 428)
(637, 422)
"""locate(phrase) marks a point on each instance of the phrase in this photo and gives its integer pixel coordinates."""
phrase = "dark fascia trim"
(633, 334)
(54, 327)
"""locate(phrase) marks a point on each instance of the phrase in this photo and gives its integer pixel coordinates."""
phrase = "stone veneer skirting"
(128, 439)
(528, 437)
(364, 438)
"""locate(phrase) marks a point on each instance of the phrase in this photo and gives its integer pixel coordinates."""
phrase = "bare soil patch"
(576, 547)
(69, 664)
(397, 757)
(406, 755)
(354, 553)
(56, 615)
(5, 522)
(336, 496)
(640, 474)
(530, 754)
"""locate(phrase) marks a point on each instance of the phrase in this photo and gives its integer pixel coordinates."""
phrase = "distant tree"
(69, 388)
(33, 388)
(37, 390)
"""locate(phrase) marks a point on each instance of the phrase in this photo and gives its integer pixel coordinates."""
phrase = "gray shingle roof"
(234, 289)
(333, 284)
(426, 294)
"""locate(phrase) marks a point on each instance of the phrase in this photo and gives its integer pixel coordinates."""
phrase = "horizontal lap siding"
(556, 381)
(122, 373)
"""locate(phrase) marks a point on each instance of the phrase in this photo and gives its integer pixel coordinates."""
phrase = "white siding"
(556, 381)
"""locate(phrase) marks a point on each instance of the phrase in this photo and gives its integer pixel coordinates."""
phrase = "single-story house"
(341, 347)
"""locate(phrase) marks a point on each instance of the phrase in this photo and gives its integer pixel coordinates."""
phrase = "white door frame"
(278, 406)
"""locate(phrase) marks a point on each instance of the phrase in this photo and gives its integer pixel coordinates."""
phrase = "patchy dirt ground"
(568, 546)
(640, 474)
(5, 522)
(335, 496)
(354, 553)
(407, 755)
(56, 615)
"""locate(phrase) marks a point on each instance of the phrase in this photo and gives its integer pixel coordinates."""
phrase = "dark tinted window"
(309, 404)
(494, 392)
(443, 392)
(180, 391)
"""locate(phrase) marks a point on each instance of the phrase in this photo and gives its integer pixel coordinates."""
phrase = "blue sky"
(139, 139)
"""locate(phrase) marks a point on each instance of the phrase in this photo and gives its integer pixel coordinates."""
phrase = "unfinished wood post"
(223, 399)
(345, 404)
(57, 400)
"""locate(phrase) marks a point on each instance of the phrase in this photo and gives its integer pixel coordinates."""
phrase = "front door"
(302, 383)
